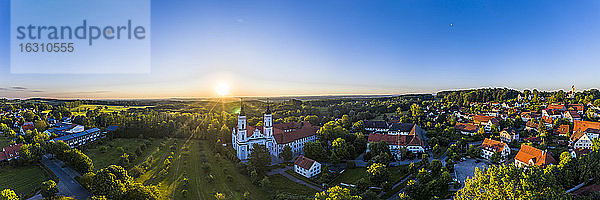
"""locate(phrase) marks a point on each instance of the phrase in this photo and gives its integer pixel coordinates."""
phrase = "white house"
(273, 136)
(489, 147)
(581, 140)
(466, 129)
(402, 135)
(508, 135)
(307, 167)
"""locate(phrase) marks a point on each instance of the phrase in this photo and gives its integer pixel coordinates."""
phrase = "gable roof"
(376, 124)
(530, 155)
(402, 127)
(304, 162)
(403, 140)
(576, 136)
(573, 114)
(562, 130)
(493, 145)
(556, 107)
(547, 120)
(482, 118)
(581, 126)
(305, 130)
(466, 127)
(531, 124)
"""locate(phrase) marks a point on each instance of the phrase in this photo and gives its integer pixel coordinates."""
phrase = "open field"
(23, 180)
(4, 141)
(81, 110)
(112, 153)
(350, 176)
(282, 184)
(207, 171)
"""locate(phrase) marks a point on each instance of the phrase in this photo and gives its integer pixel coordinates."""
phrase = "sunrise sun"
(222, 89)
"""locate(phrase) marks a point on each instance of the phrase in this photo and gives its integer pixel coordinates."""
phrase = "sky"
(275, 48)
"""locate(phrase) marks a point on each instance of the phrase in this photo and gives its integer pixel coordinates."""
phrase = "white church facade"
(273, 136)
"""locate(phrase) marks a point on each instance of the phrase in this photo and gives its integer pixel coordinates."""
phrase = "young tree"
(260, 159)
(287, 153)
(8, 194)
(336, 193)
(49, 189)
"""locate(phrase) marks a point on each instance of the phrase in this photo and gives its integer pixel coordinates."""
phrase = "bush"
(350, 164)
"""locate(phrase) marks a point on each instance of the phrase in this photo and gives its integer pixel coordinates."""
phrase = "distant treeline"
(478, 95)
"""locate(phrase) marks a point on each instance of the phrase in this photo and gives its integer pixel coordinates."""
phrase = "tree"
(474, 151)
(312, 119)
(8, 194)
(496, 157)
(336, 193)
(49, 189)
(110, 182)
(358, 126)
(378, 173)
(331, 131)
(346, 123)
(315, 150)
(340, 149)
(137, 191)
(596, 144)
(260, 158)
(416, 110)
(287, 153)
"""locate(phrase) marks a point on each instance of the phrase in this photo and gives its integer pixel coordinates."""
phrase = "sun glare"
(222, 89)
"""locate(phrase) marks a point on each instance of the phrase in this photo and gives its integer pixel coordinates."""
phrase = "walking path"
(292, 178)
(67, 185)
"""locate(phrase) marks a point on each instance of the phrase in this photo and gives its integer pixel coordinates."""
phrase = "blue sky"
(271, 48)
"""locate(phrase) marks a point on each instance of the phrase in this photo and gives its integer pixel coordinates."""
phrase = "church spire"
(242, 107)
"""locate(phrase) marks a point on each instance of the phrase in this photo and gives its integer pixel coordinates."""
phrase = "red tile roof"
(529, 155)
(481, 118)
(581, 126)
(493, 145)
(300, 130)
(466, 127)
(531, 124)
(547, 120)
(573, 114)
(556, 107)
(304, 162)
(10, 151)
(562, 130)
(403, 140)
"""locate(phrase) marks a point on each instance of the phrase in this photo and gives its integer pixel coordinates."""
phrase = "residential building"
(528, 116)
(581, 140)
(273, 136)
(412, 142)
(530, 156)
(531, 126)
(579, 152)
(548, 121)
(10, 152)
(64, 129)
(554, 114)
(466, 129)
(27, 126)
(562, 130)
(489, 147)
(307, 167)
(572, 115)
(485, 121)
(508, 135)
(376, 126)
(81, 138)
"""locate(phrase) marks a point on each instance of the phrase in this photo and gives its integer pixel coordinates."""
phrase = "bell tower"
(268, 122)
(241, 123)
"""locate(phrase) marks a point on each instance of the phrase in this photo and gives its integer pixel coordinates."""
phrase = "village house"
(579, 152)
(466, 129)
(530, 156)
(376, 126)
(10, 152)
(562, 130)
(508, 135)
(411, 141)
(27, 126)
(554, 114)
(489, 147)
(572, 115)
(548, 121)
(307, 167)
(528, 116)
(485, 121)
(581, 140)
(531, 126)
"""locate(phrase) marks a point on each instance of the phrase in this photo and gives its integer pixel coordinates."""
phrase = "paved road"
(288, 176)
(67, 185)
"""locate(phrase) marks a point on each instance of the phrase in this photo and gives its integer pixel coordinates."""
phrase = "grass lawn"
(207, 171)
(349, 176)
(112, 155)
(282, 184)
(25, 181)
(4, 141)
(298, 176)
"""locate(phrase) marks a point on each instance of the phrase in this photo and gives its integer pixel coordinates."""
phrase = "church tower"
(241, 124)
(268, 123)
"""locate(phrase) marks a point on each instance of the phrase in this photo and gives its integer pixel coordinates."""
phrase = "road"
(283, 173)
(67, 185)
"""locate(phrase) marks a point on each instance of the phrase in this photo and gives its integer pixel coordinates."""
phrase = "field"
(23, 180)
(282, 184)
(207, 171)
(350, 176)
(81, 110)
(112, 154)
(4, 141)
